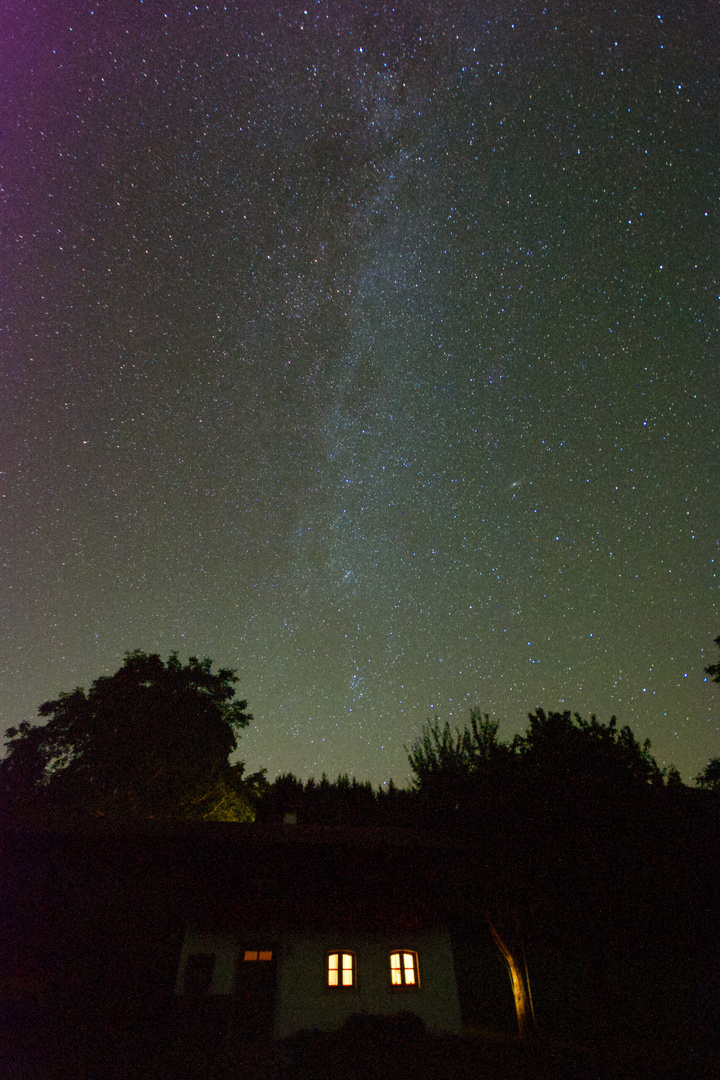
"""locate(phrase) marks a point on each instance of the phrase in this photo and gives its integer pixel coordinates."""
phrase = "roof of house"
(295, 876)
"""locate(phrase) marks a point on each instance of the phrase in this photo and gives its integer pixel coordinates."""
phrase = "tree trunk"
(520, 984)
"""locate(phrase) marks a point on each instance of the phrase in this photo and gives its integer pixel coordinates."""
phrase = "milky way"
(368, 349)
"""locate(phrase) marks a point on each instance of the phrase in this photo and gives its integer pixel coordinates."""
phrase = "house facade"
(315, 979)
(301, 927)
(208, 941)
(198, 938)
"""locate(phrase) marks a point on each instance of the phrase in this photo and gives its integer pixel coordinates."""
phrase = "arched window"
(404, 969)
(341, 970)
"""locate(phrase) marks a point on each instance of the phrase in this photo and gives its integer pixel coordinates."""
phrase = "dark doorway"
(199, 969)
(255, 978)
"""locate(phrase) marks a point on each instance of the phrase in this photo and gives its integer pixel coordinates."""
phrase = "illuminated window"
(404, 969)
(341, 970)
(258, 954)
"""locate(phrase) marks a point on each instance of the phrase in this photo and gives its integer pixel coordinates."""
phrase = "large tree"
(151, 741)
(544, 816)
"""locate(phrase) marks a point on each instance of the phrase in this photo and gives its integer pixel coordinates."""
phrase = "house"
(192, 944)
(320, 924)
(187, 940)
(283, 983)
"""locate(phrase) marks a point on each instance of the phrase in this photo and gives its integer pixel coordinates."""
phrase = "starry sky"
(369, 349)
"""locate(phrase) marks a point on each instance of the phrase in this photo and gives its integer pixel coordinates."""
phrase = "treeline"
(579, 853)
(458, 775)
(578, 845)
(587, 869)
(344, 801)
(154, 741)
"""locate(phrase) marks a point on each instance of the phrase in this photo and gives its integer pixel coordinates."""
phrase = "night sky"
(369, 349)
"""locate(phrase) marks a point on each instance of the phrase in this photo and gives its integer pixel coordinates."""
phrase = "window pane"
(403, 969)
(249, 955)
(395, 973)
(341, 969)
(267, 955)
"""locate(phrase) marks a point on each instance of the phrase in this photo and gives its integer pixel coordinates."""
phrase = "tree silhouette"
(710, 776)
(547, 817)
(153, 740)
(713, 670)
(342, 802)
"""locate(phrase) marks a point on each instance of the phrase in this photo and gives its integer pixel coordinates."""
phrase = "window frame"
(402, 968)
(256, 955)
(340, 987)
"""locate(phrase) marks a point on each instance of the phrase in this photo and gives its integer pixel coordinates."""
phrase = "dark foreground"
(368, 1048)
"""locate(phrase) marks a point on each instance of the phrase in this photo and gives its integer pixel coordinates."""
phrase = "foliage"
(464, 753)
(558, 749)
(344, 801)
(562, 749)
(713, 670)
(546, 818)
(709, 778)
(152, 740)
(460, 775)
(230, 797)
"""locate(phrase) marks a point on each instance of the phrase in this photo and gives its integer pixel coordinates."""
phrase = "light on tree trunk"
(520, 985)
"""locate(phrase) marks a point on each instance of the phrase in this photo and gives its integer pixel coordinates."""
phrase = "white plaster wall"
(304, 1000)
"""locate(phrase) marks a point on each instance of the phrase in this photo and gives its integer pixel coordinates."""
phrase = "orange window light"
(341, 969)
(254, 954)
(395, 971)
(403, 969)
